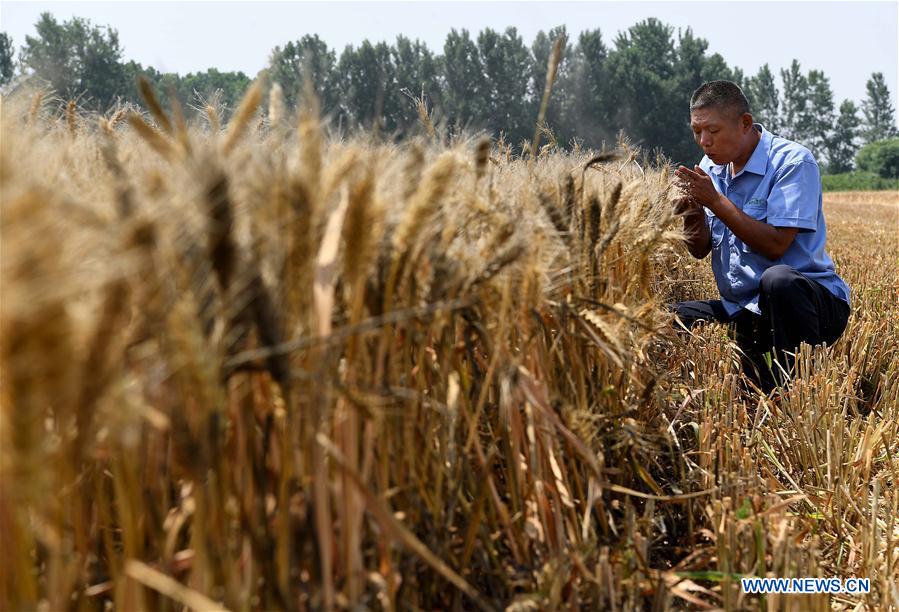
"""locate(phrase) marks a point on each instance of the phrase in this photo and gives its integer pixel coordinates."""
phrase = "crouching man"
(754, 202)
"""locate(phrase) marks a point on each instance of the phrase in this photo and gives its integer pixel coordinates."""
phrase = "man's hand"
(767, 240)
(685, 205)
(698, 237)
(699, 185)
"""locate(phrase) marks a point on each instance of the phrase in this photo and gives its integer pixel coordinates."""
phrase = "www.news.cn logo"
(806, 585)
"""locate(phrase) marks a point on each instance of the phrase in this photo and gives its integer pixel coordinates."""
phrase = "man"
(754, 202)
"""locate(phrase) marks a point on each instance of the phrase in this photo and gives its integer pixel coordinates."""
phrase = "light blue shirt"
(780, 185)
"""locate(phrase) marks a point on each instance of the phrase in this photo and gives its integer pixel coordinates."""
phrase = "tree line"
(639, 84)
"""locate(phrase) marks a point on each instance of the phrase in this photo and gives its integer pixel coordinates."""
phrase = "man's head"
(721, 122)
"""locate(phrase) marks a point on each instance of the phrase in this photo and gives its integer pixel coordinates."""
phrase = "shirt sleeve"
(706, 164)
(793, 200)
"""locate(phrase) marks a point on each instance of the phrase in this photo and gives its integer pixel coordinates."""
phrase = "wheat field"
(249, 366)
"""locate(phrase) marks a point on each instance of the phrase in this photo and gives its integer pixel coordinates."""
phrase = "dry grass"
(827, 446)
(256, 368)
(877, 198)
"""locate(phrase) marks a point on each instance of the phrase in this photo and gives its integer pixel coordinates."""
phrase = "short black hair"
(720, 94)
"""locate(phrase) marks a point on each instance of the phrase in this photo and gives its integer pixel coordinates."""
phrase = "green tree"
(587, 107)
(880, 157)
(651, 81)
(7, 58)
(507, 66)
(692, 68)
(560, 101)
(880, 122)
(228, 87)
(289, 65)
(842, 144)
(795, 115)
(763, 99)
(368, 89)
(417, 71)
(690, 62)
(820, 114)
(643, 87)
(163, 84)
(75, 58)
(466, 85)
(715, 68)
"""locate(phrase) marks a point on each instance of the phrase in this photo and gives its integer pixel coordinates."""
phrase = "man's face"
(720, 133)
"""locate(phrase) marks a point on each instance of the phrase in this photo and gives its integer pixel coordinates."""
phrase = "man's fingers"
(684, 203)
(686, 173)
(685, 198)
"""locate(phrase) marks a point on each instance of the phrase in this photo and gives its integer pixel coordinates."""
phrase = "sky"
(847, 40)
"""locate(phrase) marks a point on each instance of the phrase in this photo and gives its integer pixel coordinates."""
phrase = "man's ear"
(747, 121)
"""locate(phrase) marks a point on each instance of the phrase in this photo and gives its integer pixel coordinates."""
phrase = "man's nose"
(705, 141)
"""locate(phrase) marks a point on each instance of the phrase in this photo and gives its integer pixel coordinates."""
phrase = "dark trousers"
(795, 309)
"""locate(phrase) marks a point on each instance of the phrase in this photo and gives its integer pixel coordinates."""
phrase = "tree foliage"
(880, 157)
(820, 117)
(466, 82)
(309, 56)
(640, 86)
(7, 59)
(366, 78)
(78, 60)
(585, 98)
(507, 65)
(75, 57)
(842, 145)
(795, 118)
(880, 116)
(761, 90)
(418, 74)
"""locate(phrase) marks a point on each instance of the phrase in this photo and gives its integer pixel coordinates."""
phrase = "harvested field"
(878, 198)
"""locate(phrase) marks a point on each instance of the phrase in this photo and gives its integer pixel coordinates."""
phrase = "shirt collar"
(758, 161)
